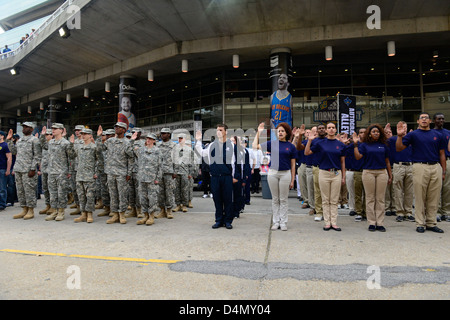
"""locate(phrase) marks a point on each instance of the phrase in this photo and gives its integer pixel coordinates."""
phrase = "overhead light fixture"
(436, 54)
(14, 71)
(236, 61)
(64, 32)
(68, 98)
(86, 92)
(19, 113)
(391, 48)
(329, 53)
(108, 87)
(29, 110)
(41, 106)
(185, 66)
(150, 75)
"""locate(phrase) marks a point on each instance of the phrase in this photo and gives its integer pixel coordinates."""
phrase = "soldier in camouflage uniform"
(87, 155)
(73, 171)
(60, 153)
(134, 198)
(167, 184)
(28, 153)
(183, 164)
(44, 175)
(119, 167)
(103, 177)
(149, 159)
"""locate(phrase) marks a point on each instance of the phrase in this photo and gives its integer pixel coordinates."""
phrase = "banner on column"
(347, 113)
(127, 101)
(281, 100)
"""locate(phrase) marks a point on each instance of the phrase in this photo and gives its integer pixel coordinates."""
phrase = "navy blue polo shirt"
(308, 159)
(402, 156)
(329, 152)
(374, 155)
(426, 145)
(446, 135)
(281, 154)
(3, 151)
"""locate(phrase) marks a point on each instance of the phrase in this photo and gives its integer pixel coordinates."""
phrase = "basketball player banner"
(346, 111)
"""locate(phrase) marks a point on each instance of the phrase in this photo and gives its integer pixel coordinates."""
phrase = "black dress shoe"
(381, 228)
(372, 228)
(228, 226)
(435, 229)
(328, 228)
(420, 229)
(217, 225)
(336, 228)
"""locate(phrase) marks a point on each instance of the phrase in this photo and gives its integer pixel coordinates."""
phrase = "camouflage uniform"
(102, 180)
(118, 164)
(73, 169)
(88, 156)
(60, 153)
(167, 183)
(28, 153)
(134, 198)
(44, 176)
(183, 164)
(149, 170)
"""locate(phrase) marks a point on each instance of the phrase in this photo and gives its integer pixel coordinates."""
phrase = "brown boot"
(99, 204)
(30, 214)
(60, 215)
(70, 198)
(47, 208)
(151, 220)
(132, 213)
(105, 212)
(169, 213)
(122, 219)
(114, 218)
(52, 215)
(73, 206)
(82, 218)
(139, 213)
(190, 204)
(22, 214)
(184, 209)
(144, 220)
(76, 212)
(89, 219)
(161, 214)
(177, 208)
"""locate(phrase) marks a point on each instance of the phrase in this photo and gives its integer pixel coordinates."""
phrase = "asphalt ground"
(185, 259)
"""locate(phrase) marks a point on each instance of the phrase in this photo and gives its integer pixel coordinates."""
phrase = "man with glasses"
(428, 151)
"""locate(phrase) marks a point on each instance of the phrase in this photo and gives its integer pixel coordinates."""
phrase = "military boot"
(162, 213)
(151, 220)
(49, 212)
(73, 206)
(139, 213)
(70, 198)
(184, 209)
(122, 219)
(82, 218)
(105, 212)
(89, 219)
(99, 204)
(52, 215)
(177, 208)
(60, 215)
(30, 214)
(76, 212)
(47, 208)
(114, 218)
(190, 204)
(22, 214)
(132, 213)
(169, 213)
(143, 220)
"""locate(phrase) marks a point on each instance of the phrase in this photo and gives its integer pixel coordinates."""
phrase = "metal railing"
(35, 34)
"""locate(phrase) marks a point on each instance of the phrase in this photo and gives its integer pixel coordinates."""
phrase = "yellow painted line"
(37, 253)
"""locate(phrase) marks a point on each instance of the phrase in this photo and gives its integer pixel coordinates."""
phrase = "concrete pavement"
(185, 259)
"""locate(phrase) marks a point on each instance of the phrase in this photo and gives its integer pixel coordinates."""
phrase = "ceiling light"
(391, 48)
(436, 54)
(108, 87)
(64, 32)
(14, 71)
(184, 66)
(329, 53)
(236, 61)
(150, 75)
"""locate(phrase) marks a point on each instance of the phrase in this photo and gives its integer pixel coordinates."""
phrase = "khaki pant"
(330, 187)
(310, 187)
(279, 187)
(444, 207)
(360, 203)
(403, 189)
(375, 183)
(350, 184)
(389, 204)
(427, 192)
(302, 181)
(317, 193)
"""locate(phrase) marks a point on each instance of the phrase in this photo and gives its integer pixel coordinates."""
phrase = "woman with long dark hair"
(377, 173)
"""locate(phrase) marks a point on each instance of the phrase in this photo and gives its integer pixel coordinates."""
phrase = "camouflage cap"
(29, 124)
(79, 127)
(86, 131)
(165, 130)
(122, 125)
(151, 136)
(57, 126)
